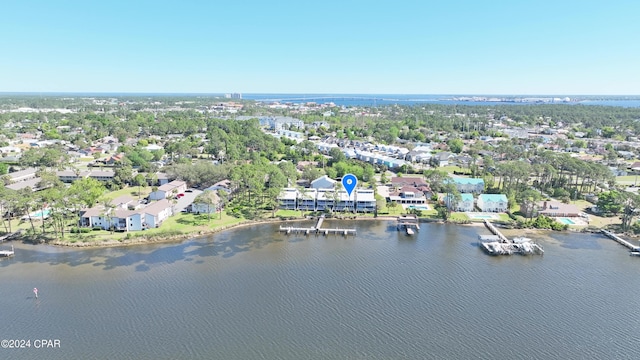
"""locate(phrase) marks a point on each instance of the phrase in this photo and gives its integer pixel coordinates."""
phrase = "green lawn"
(176, 225)
(458, 216)
(451, 168)
(627, 180)
(131, 191)
(288, 213)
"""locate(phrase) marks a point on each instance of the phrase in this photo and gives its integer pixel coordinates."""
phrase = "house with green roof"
(465, 203)
(493, 202)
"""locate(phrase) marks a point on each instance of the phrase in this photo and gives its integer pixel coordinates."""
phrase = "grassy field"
(594, 220)
(627, 180)
(450, 169)
(131, 191)
(288, 213)
(180, 224)
(458, 216)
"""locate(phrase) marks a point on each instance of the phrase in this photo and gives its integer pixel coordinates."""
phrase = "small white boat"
(410, 231)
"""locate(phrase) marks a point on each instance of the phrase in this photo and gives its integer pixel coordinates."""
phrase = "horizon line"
(295, 93)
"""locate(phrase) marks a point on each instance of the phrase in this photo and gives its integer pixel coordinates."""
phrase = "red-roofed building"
(558, 209)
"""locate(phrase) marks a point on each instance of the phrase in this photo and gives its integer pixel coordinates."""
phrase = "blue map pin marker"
(349, 182)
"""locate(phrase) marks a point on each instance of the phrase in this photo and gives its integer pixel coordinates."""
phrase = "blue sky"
(347, 46)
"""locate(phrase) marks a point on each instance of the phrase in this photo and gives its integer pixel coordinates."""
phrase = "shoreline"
(159, 239)
(143, 240)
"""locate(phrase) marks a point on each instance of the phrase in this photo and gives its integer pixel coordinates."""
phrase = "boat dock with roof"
(409, 223)
(498, 244)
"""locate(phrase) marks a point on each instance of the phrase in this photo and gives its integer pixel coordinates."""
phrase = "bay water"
(254, 293)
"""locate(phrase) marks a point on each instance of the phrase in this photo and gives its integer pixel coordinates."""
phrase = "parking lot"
(186, 200)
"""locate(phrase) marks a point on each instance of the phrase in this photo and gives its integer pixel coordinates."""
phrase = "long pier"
(316, 229)
(495, 231)
(498, 244)
(621, 241)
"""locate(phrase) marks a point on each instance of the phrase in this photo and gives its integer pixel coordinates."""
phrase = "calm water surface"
(252, 293)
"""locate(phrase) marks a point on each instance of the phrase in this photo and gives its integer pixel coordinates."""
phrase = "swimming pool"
(418, 207)
(41, 213)
(566, 221)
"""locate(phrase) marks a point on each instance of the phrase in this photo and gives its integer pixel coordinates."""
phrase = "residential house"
(163, 178)
(94, 217)
(441, 159)
(557, 209)
(168, 190)
(156, 213)
(365, 200)
(124, 202)
(469, 185)
(296, 135)
(407, 181)
(325, 199)
(464, 204)
(323, 182)
(307, 199)
(114, 159)
(90, 151)
(33, 184)
(408, 195)
(344, 201)
(635, 166)
(69, 176)
(492, 202)
(204, 208)
(102, 175)
(127, 220)
(22, 175)
(288, 199)
(122, 218)
(418, 156)
(280, 122)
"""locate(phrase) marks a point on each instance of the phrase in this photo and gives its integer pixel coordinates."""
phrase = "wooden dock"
(621, 241)
(7, 253)
(408, 223)
(316, 229)
(495, 231)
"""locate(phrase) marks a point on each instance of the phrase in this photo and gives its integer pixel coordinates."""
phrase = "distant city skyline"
(334, 47)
